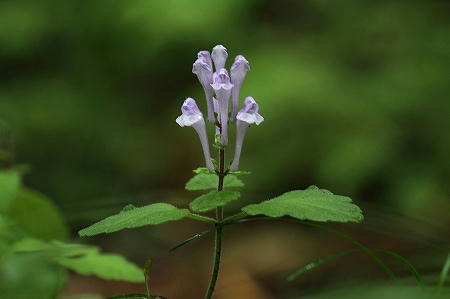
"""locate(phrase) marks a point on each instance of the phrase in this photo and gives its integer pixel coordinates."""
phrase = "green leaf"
(204, 181)
(37, 216)
(202, 170)
(9, 184)
(52, 249)
(311, 204)
(26, 276)
(135, 217)
(107, 266)
(9, 233)
(212, 200)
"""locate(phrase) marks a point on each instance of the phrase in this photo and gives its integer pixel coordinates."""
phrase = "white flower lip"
(249, 112)
(190, 114)
(250, 118)
(188, 120)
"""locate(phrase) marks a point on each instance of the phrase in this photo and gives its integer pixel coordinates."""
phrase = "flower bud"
(222, 86)
(219, 56)
(202, 67)
(238, 71)
(247, 115)
(192, 117)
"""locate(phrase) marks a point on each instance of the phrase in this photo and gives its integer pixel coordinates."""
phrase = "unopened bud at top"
(219, 56)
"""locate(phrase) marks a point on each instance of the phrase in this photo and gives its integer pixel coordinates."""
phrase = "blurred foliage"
(354, 95)
(33, 257)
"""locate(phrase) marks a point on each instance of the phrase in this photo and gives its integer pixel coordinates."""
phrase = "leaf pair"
(311, 204)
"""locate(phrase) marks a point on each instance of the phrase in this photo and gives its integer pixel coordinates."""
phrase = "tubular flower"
(247, 115)
(202, 67)
(192, 117)
(206, 56)
(238, 71)
(222, 86)
(219, 56)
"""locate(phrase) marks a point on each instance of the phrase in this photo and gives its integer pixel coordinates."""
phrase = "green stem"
(218, 228)
(217, 255)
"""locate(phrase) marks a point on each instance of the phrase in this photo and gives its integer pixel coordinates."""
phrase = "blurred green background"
(355, 96)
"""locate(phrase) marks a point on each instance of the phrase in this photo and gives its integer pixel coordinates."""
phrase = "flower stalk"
(218, 227)
(219, 86)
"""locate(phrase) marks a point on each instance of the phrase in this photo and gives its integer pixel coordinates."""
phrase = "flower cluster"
(219, 86)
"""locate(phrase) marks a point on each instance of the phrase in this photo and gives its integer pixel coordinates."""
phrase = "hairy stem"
(218, 229)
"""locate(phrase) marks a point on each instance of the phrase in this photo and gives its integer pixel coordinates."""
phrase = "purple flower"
(192, 117)
(219, 56)
(222, 85)
(206, 56)
(247, 115)
(238, 71)
(202, 67)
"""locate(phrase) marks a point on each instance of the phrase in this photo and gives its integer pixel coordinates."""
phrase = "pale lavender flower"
(222, 85)
(202, 67)
(219, 56)
(206, 56)
(238, 71)
(247, 115)
(192, 117)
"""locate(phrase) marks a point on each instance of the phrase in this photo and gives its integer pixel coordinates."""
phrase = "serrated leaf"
(9, 184)
(135, 217)
(106, 266)
(212, 200)
(37, 216)
(210, 181)
(311, 204)
(128, 208)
